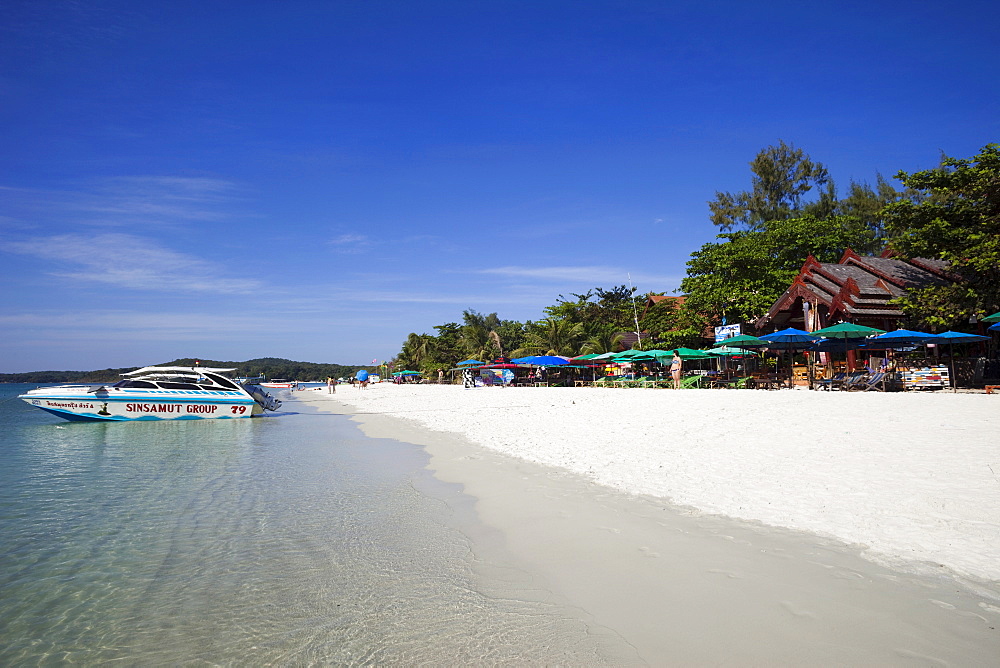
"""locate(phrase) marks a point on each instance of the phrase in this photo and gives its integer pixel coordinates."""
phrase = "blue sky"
(315, 180)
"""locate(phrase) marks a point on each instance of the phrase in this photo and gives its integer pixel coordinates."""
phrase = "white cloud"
(350, 243)
(593, 275)
(153, 200)
(127, 261)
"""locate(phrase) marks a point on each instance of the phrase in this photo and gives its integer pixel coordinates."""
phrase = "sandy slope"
(914, 476)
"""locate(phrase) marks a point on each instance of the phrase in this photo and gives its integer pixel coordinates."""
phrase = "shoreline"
(677, 583)
(913, 478)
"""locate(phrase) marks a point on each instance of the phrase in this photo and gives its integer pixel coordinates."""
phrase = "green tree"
(865, 204)
(670, 326)
(552, 336)
(478, 337)
(447, 348)
(782, 176)
(416, 349)
(740, 278)
(602, 340)
(954, 217)
(598, 307)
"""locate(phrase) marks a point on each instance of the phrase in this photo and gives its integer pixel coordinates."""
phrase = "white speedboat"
(278, 383)
(156, 393)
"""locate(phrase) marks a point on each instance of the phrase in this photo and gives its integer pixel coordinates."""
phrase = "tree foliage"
(670, 326)
(954, 217)
(552, 336)
(740, 277)
(782, 176)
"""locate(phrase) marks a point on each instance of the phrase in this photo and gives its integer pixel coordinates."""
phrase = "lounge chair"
(852, 381)
(829, 383)
(691, 382)
(881, 381)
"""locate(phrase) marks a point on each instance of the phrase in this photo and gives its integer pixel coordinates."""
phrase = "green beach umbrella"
(992, 318)
(586, 358)
(742, 341)
(847, 330)
(626, 355)
(687, 354)
(726, 351)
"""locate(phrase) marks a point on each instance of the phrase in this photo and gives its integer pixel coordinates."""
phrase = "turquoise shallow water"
(291, 539)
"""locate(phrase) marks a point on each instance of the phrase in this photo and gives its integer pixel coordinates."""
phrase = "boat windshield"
(134, 383)
(224, 382)
(168, 385)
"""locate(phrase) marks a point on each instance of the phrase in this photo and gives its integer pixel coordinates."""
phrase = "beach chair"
(882, 381)
(691, 382)
(829, 383)
(852, 381)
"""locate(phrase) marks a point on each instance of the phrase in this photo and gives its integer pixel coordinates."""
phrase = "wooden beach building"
(856, 289)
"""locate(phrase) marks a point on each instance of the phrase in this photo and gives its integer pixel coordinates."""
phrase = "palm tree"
(552, 336)
(602, 341)
(416, 349)
(479, 339)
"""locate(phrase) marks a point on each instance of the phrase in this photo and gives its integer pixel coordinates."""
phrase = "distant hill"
(269, 367)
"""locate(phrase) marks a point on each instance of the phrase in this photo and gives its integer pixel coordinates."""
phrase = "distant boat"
(156, 393)
(279, 383)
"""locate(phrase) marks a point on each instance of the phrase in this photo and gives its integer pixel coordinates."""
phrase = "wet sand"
(687, 588)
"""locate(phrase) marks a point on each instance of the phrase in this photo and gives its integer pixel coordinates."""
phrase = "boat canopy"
(175, 369)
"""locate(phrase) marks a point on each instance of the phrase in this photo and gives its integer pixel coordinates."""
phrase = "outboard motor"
(264, 400)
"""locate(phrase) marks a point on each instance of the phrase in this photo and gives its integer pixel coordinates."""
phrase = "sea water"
(291, 539)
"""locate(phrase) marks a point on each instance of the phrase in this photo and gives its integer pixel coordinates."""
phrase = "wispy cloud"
(127, 261)
(152, 200)
(351, 243)
(162, 197)
(595, 275)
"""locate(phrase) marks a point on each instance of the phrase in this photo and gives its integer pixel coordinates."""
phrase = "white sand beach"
(867, 533)
(912, 477)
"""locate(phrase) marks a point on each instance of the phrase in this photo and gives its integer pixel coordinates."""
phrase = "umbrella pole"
(951, 360)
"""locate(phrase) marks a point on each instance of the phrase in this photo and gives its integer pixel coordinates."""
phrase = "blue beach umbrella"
(899, 338)
(470, 363)
(952, 338)
(789, 337)
(994, 328)
(541, 360)
(361, 375)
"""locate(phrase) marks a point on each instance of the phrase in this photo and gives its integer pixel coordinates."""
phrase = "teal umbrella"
(992, 318)
(686, 354)
(847, 330)
(742, 341)
(587, 358)
(726, 351)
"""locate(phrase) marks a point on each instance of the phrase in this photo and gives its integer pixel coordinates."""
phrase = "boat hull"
(117, 405)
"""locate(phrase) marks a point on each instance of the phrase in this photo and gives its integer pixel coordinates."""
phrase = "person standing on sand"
(331, 385)
(675, 370)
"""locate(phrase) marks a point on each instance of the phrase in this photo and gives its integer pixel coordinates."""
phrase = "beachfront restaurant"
(859, 290)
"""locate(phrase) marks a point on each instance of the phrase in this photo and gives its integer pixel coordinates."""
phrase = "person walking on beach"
(675, 370)
(331, 385)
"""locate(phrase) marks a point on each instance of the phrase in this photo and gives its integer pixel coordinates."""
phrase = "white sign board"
(727, 331)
